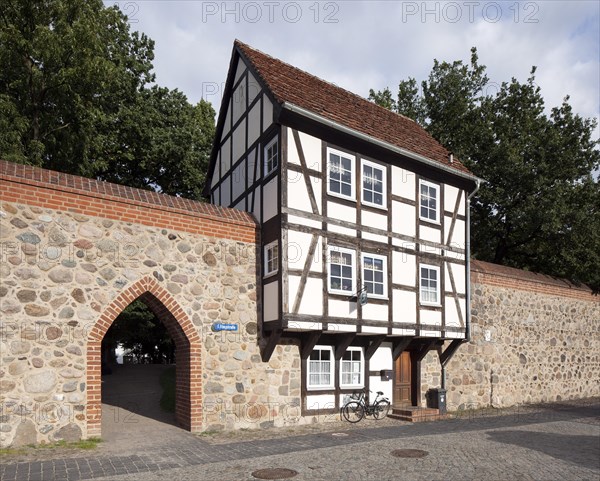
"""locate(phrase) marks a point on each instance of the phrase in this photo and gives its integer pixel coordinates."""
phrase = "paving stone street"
(551, 442)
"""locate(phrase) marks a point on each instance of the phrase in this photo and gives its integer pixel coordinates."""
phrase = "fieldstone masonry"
(535, 339)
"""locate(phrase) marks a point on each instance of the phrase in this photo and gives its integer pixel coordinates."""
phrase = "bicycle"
(357, 408)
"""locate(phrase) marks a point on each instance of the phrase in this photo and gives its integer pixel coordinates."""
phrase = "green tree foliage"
(141, 334)
(76, 96)
(540, 206)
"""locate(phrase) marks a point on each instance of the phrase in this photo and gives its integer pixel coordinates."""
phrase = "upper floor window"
(373, 184)
(320, 367)
(342, 270)
(351, 367)
(340, 174)
(271, 258)
(429, 284)
(271, 156)
(429, 201)
(374, 274)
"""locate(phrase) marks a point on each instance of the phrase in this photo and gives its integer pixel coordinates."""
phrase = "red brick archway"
(188, 402)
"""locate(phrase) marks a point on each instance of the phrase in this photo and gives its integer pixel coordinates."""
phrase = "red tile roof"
(290, 84)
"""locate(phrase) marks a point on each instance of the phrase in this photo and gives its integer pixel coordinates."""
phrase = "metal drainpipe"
(468, 286)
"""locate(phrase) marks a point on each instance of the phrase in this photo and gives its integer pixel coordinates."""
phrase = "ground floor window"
(320, 367)
(352, 368)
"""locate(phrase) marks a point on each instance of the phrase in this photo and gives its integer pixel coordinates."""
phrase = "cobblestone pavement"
(554, 442)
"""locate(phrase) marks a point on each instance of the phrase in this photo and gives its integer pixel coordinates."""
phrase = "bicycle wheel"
(381, 409)
(353, 411)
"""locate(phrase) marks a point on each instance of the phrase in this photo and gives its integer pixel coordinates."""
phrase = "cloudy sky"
(360, 45)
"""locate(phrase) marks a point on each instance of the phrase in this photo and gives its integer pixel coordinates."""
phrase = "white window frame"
(383, 169)
(436, 187)
(267, 249)
(427, 302)
(341, 250)
(362, 267)
(273, 141)
(331, 383)
(361, 382)
(352, 159)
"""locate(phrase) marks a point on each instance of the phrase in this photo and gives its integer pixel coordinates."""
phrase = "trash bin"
(437, 399)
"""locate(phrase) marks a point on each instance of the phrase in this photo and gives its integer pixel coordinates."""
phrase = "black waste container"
(437, 399)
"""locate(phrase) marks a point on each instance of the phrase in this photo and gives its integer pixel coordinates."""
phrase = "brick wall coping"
(49, 179)
(513, 277)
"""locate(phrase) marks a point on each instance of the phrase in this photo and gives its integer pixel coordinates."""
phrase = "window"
(271, 156)
(271, 258)
(341, 270)
(352, 367)
(374, 274)
(340, 174)
(320, 367)
(430, 285)
(429, 201)
(373, 184)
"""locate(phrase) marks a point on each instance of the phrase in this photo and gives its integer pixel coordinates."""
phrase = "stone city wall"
(75, 252)
(534, 339)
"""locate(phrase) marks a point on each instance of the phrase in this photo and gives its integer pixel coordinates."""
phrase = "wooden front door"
(403, 380)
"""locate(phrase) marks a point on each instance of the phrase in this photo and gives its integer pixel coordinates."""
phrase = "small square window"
(429, 285)
(429, 201)
(340, 174)
(373, 184)
(271, 156)
(271, 258)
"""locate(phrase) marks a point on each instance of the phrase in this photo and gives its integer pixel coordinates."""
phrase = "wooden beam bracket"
(450, 351)
(425, 349)
(344, 342)
(373, 346)
(400, 346)
(308, 342)
(272, 340)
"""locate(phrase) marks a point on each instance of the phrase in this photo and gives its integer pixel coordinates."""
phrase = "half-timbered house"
(364, 229)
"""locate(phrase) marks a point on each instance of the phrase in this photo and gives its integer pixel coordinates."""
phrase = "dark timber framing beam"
(344, 342)
(426, 346)
(400, 346)
(308, 341)
(272, 340)
(373, 346)
(449, 351)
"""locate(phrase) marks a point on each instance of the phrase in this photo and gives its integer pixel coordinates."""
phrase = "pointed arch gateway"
(188, 398)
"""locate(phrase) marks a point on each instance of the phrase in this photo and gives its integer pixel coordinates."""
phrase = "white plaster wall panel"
(257, 211)
(433, 318)
(271, 301)
(341, 230)
(239, 141)
(341, 212)
(374, 237)
(217, 173)
(403, 183)
(226, 156)
(342, 309)
(404, 306)
(458, 271)
(294, 219)
(251, 167)
(450, 194)
(340, 328)
(323, 401)
(454, 256)
(241, 205)
(238, 180)
(431, 333)
(430, 234)
(312, 299)
(376, 384)
(254, 124)
(227, 124)
(458, 234)
(375, 312)
(297, 251)
(374, 329)
(311, 146)
(292, 151)
(403, 218)
(402, 332)
(270, 200)
(253, 88)
(298, 197)
(239, 70)
(267, 112)
(293, 284)
(455, 335)
(225, 192)
(377, 221)
(450, 310)
(238, 102)
(382, 359)
(404, 267)
(217, 196)
(304, 326)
